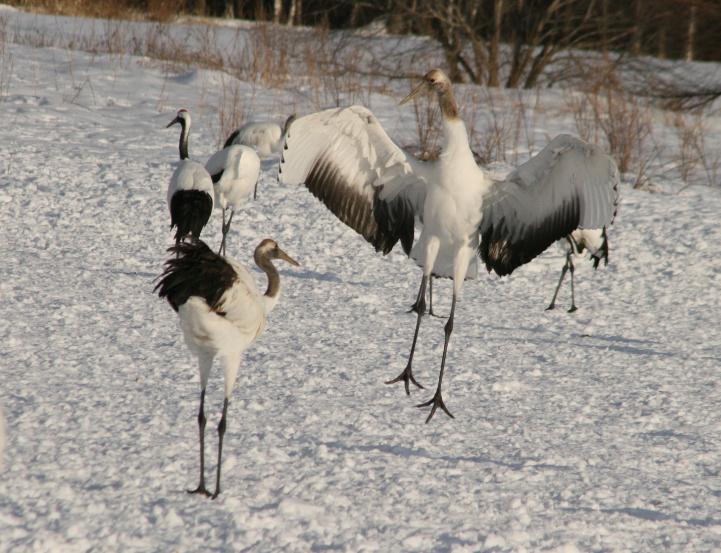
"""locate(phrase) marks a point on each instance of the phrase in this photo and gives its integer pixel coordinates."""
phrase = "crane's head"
(181, 118)
(269, 249)
(433, 81)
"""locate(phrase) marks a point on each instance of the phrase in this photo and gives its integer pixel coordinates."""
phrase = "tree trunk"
(691, 36)
(238, 9)
(495, 42)
(295, 16)
(636, 45)
(604, 26)
(277, 10)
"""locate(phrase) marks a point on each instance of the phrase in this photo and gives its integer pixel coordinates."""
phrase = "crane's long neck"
(183, 145)
(455, 134)
(272, 293)
(447, 101)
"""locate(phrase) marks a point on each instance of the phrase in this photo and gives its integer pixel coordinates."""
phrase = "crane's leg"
(407, 375)
(222, 229)
(221, 433)
(437, 400)
(201, 431)
(414, 307)
(226, 229)
(430, 298)
(560, 281)
(573, 298)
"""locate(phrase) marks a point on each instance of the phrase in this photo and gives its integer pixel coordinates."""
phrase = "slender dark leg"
(225, 228)
(407, 375)
(416, 305)
(430, 297)
(201, 431)
(222, 241)
(573, 298)
(437, 400)
(221, 433)
(560, 281)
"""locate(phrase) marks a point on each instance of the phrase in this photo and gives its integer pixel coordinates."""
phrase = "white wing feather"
(348, 161)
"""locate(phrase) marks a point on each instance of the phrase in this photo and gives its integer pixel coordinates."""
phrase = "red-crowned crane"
(595, 242)
(234, 171)
(221, 313)
(346, 159)
(190, 193)
(266, 137)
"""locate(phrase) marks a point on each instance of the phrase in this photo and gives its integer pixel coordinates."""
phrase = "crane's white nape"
(235, 171)
(221, 314)
(266, 137)
(595, 242)
(190, 191)
(345, 158)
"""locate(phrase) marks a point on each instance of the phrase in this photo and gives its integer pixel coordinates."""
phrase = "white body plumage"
(189, 175)
(226, 336)
(266, 137)
(235, 170)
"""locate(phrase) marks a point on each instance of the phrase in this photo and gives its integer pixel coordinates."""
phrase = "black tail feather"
(195, 270)
(190, 211)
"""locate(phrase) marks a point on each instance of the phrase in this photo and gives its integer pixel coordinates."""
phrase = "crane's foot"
(436, 401)
(550, 307)
(407, 377)
(414, 308)
(572, 309)
(216, 494)
(201, 490)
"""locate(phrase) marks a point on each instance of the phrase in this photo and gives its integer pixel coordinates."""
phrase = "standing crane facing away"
(221, 313)
(265, 136)
(235, 171)
(190, 193)
(593, 240)
(346, 159)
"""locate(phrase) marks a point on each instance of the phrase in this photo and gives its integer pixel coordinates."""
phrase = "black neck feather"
(183, 145)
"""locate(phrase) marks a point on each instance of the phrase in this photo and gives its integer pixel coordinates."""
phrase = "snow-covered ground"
(597, 431)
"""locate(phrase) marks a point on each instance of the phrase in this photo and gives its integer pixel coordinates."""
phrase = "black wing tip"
(503, 255)
(231, 138)
(381, 223)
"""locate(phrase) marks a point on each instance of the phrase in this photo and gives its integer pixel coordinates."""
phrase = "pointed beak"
(285, 257)
(173, 122)
(415, 92)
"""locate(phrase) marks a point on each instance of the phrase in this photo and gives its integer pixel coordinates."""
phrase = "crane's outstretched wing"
(346, 159)
(570, 184)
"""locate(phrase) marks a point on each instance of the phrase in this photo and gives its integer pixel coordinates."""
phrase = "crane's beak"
(415, 92)
(173, 122)
(285, 257)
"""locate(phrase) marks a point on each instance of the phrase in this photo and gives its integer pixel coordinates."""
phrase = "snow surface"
(597, 431)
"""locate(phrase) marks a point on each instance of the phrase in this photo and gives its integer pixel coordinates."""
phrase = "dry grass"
(696, 162)
(156, 10)
(233, 108)
(6, 60)
(324, 68)
(610, 116)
